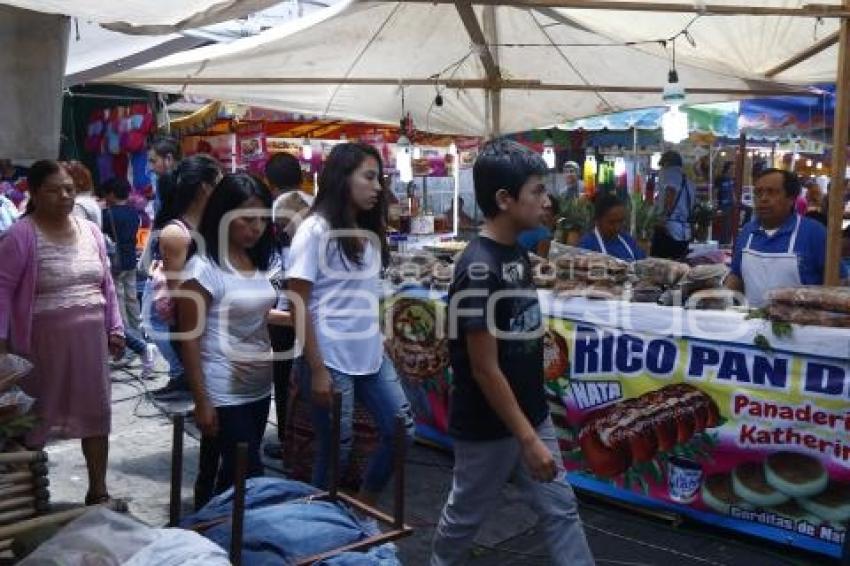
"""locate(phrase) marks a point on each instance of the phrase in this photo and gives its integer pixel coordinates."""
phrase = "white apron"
(605, 249)
(763, 271)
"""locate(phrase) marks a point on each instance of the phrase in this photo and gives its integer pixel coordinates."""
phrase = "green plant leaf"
(781, 329)
(756, 314)
(762, 342)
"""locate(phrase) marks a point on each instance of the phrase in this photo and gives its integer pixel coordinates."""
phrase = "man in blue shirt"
(674, 203)
(778, 248)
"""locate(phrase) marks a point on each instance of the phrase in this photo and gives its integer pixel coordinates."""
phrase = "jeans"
(481, 469)
(381, 394)
(128, 299)
(134, 341)
(159, 333)
(240, 423)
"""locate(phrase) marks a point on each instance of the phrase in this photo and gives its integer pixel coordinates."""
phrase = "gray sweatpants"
(481, 470)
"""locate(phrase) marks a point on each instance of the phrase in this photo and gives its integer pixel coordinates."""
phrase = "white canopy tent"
(148, 17)
(355, 60)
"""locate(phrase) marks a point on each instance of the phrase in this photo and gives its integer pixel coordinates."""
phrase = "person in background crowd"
(464, 221)
(778, 248)
(229, 366)
(8, 214)
(815, 202)
(85, 204)
(538, 240)
(163, 156)
(11, 173)
(724, 191)
(186, 190)
(336, 276)
(121, 223)
(674, 203)
(283, 173)
(499, 417)
(58, 308)
(573, 187)
(607, 236)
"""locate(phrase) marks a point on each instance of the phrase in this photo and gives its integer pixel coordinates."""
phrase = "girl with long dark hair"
(333, 269)
(228, 359)
(185, 191)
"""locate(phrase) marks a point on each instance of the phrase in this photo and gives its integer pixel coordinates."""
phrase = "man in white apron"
(778, 248)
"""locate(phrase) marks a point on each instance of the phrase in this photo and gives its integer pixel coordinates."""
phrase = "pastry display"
(635, 430)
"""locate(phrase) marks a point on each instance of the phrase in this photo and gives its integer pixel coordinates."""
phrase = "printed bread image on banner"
(731, 434)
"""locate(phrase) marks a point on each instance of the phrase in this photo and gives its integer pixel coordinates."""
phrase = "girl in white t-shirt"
(223, 320)
(334, 267)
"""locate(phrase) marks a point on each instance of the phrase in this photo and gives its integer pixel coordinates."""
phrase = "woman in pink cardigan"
(58, 309)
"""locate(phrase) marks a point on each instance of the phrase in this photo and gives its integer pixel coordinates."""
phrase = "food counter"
(730, 420)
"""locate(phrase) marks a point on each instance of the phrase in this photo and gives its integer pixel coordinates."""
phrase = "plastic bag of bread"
(807, 316)
(12, 368)
(836, 299)
(658, 271)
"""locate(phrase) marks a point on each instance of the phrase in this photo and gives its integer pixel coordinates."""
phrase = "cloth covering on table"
(106, 538)
(278, 530)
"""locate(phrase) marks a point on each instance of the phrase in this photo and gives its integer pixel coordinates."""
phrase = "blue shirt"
(673, 179)
(123, 221)
(614, 247)
(810, 246)
(529, 239)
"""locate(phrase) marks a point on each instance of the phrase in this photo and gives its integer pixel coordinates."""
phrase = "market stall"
(716, 414)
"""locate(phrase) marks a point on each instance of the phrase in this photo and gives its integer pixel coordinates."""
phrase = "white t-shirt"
(344, 300)
(235, 347)
(85, 206)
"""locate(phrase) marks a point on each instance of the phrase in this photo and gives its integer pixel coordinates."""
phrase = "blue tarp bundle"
(278, 530)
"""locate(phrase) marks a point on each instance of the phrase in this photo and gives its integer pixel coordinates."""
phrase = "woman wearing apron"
(778, 248)
(607, 236)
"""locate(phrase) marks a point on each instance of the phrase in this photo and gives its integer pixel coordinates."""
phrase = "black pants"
(666, 247)
(217, 459)
(283, 339)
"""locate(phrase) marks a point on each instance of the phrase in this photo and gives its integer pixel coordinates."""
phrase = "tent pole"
(710, 185)
(740, 161)
(633, 191)
(839, 154)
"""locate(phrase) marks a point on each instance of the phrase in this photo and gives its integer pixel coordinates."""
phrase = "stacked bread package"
(817, 306)
(591, 274)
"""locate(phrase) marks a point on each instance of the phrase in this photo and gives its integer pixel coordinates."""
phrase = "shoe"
(173, 389)
(148, 359)
(273, 450)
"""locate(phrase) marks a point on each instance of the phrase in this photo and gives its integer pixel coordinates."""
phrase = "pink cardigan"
(17, 284)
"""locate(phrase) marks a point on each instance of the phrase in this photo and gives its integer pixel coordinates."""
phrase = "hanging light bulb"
(549, 152)
(403, 159)
(674, 124)
(306, 149)
(808, 162)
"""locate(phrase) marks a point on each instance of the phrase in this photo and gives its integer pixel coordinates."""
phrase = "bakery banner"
(733, 434)
(728, 433)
